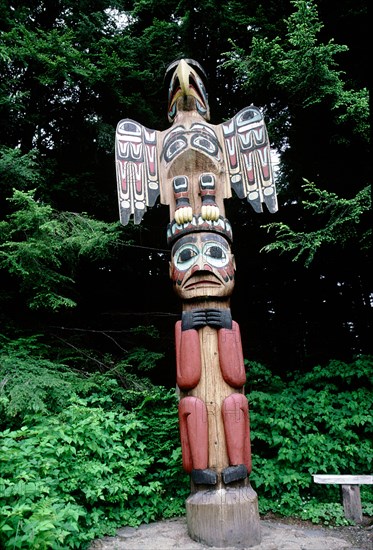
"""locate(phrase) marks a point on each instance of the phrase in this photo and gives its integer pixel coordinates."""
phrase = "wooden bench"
(350, 492)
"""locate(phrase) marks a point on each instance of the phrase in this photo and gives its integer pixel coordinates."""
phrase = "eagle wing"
(137, 169)
(248, 158)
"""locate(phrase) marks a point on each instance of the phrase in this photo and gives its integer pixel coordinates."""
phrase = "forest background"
(87, 309)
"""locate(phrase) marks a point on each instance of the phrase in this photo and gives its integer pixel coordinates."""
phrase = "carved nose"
(201, 267)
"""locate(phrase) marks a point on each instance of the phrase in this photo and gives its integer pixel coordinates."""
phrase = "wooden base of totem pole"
(222, 515)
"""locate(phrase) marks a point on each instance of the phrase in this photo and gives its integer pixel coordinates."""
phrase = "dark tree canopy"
(70, 70)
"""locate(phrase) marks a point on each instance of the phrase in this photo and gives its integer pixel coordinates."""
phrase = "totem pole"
(193, 166)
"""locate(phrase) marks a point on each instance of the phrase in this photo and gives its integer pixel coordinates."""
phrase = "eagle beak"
(183, 71)
(185, 82)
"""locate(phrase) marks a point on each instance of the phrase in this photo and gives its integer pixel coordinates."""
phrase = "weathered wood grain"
(224, 517)
(343, 479)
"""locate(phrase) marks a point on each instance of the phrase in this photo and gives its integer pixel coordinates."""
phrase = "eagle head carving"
(187, 90)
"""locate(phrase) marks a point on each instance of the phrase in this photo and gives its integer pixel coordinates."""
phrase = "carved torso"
(192, 147)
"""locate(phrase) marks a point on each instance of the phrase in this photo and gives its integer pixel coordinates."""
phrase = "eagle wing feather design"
(137, 169)
(248, 158)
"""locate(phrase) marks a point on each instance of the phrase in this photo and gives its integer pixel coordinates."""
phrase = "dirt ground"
(277, 534)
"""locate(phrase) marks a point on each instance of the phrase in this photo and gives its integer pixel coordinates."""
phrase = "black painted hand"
(198, 318)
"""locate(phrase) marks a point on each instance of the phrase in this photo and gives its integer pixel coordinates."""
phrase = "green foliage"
(17, 170)
(34, 382)
(158, 411)
(81, 454)
(317, 113)
(352, 107)
(41, 248)
(85, 458)
(30, 382)
(342, 225)
(300, 65)
(85, 454)
(144, 359)
(75, 476)
(318, 422)
(69, 72)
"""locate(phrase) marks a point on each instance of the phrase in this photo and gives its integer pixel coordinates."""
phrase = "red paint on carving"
(188, 357)
(231, 357)
(237, 429)
(193, 433)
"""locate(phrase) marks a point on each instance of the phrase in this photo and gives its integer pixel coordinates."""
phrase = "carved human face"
(202, 266)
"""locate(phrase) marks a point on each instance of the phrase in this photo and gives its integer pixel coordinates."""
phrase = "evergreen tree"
(71, 70)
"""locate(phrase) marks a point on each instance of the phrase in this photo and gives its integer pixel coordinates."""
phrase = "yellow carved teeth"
(210, 212)
(183, 215)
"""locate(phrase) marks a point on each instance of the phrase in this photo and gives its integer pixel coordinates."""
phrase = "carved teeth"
(210, 212)
(183, 215)
(220, 222)
(178, 226)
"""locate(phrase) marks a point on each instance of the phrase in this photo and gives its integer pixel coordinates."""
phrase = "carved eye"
(186, 256)
(205, 143)
(249, 115)
(215, 254)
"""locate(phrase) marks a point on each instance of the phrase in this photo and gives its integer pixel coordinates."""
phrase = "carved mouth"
(202, 280)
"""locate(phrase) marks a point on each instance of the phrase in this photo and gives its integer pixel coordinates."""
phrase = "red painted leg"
(237, 429)
(193, 433)
(188, 357)
(231, 357)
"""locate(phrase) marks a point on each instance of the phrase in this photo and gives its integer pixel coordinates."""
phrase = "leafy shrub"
(79, 474)
(84, 454)
(161, 438)
(33, 381)
(40, 248)
(318, 422)
(30, 382)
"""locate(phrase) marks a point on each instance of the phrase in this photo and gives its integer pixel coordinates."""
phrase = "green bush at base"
(313, 423)
(81, 456)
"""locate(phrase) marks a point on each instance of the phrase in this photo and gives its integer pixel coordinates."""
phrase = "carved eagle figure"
(193, 165)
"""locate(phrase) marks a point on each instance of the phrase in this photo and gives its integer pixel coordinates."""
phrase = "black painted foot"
(204, 477)
(234, 473)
